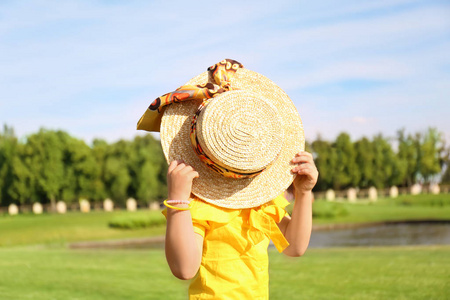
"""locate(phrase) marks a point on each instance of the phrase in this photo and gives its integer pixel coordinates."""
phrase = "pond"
(390, 234)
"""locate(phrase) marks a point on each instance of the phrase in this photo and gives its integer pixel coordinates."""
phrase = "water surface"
(383, 235)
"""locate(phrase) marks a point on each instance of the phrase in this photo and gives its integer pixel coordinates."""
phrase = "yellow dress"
(235, 259)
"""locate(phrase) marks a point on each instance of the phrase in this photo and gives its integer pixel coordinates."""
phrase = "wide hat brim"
(225, 191)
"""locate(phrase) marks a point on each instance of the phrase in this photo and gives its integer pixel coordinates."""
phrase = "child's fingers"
(303, 165)
(304, 153)
(193, 174)
(188, 174)
(304, 169)
(187, 169)
(172, 166)
(181, 165)
(303, 158)
(310, 172)
(298, 168)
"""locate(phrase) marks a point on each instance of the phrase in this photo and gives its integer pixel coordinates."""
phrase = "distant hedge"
(423, 200)
(132, 221)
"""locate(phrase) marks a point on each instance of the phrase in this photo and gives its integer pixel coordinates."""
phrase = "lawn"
(338, 273)
(55, 229)
(35, 263)
(407, 207)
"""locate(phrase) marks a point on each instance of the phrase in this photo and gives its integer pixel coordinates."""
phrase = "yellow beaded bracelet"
(176, 207)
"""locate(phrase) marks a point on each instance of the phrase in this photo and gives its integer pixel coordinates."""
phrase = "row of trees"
(52, 165)
(381, 162)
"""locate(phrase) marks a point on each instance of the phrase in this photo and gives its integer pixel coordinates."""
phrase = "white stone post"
(85, 206)
(13, 209)
(393, 192)
(435, 189)
(373, 194)
(351, 195)
(131, 204)
(416, 189)
(108, 205)
(37, 208)
(61, 207)
(330, 195)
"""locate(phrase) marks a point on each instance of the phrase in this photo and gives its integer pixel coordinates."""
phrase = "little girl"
(233, 139)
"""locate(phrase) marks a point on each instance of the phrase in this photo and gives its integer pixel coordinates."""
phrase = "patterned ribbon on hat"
(221, 72)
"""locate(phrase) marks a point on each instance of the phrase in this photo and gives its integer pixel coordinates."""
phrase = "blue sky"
(92, 67)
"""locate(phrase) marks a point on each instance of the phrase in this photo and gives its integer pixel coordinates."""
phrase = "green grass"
(50, 271)
(363, 273)
(343, 273)
(423, 200)
(59, 229)
(386, 209)
(359, 213)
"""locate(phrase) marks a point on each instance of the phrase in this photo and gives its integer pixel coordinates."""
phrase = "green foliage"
(51, 165)
(431, 147)
(408, 157)
(365, 158)
(137, 221)
(365, 163)
(385, 163)
(148, 168)
(347, 173)
(326, 162)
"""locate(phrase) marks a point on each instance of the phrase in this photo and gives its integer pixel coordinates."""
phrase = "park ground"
(36, 263)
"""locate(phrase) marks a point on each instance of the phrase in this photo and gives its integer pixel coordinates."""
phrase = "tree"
(326, 160)
(407, 157)
(365, 158)
(148, 168)
(385, 163)
(347, 173)
(431, 146)
(15, 178)
(81, 170)
(116, 174)
(43, 156)
(446, 166)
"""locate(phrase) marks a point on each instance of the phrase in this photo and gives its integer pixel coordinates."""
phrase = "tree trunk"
(52, 204)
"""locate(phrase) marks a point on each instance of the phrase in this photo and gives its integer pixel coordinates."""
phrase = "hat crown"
(240, 131)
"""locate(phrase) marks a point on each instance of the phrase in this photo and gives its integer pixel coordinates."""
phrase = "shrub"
(137, 221)
(423, 200)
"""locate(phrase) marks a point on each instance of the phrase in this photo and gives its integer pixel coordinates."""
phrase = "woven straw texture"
(244, 130)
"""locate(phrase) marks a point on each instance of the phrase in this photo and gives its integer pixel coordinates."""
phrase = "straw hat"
(253, 129)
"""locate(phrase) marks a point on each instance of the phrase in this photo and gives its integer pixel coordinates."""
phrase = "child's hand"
(179, 180)
(306, 170)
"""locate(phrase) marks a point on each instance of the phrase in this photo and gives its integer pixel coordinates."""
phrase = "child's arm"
(183, 246)
(297, 228)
